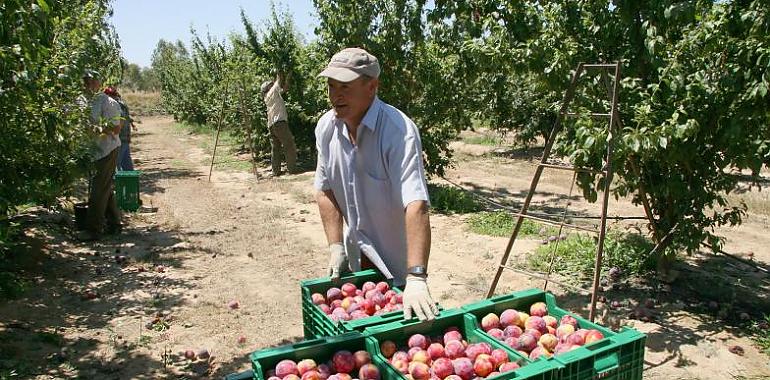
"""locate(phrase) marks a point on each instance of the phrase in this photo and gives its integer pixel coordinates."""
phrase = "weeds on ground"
(446, 199)
(500, 223)
(487, 140)
(761, 334)
(575, 255)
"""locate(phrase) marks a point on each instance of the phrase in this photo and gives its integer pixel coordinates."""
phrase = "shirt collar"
(370, 118)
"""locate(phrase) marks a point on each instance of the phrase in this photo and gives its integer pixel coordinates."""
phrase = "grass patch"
(576, 255)
(227, 148)
(447, 199)
(761, 334)
(487, 140)
(500, 223)
(143, 103)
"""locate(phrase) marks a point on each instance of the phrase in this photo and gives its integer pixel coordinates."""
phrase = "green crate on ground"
(317, 324)
(617, 356)
(320, 350)
(127, 189)
(400, 331)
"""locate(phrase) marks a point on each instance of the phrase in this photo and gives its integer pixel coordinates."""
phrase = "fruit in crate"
(538, 334)
(349, 302)
(448, 357)
(343, 365)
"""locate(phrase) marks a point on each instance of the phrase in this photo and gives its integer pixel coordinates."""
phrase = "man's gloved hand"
(338, 261)
(417, 299)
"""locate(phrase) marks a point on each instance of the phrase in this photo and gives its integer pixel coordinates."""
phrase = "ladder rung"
(600, 65)
(545, 277)
(593, 114)
(574, 169)
(551, 222)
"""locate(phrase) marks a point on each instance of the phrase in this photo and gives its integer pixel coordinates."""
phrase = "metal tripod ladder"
(613, 126)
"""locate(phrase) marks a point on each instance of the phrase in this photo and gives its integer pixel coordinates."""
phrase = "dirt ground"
(197, 245)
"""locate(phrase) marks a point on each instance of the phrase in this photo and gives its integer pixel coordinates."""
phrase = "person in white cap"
(278, 125)
(371, 174)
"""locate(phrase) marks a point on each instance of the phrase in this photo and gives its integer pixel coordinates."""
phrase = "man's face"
(93, 84)
(352, 99)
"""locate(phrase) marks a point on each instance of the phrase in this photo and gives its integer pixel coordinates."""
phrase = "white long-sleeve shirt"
(276, 108)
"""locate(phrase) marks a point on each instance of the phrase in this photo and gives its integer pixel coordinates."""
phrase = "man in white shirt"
(278, 124)
(371, 175)
(105, 118)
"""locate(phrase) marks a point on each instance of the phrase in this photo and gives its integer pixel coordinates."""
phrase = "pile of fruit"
(446, 357)
(348, 302)
(343, 365)
(537, 333)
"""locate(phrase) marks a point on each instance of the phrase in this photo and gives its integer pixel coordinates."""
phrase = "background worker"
(281, 137)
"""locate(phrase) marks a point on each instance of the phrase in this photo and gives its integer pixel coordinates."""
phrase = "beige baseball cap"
(351, 63)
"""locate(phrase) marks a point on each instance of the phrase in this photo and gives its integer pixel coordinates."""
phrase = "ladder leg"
(535, 179)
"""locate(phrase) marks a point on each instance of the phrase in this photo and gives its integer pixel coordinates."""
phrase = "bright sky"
(141, 23)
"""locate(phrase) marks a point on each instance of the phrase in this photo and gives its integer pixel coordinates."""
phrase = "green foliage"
(694, 99)
(484, 140)
(500, 223)
(138, 78)
(45, 46)
(576, 254)
(761, 333)
(451, 200)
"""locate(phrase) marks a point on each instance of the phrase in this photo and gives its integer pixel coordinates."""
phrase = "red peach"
(442, 367)
(551, 330)
(344, 376)
(490, 321)
(509, 366)
(286, 367)
(509, 317)
(233, 304)
(318, 299)
(452, 335)
(535, 322)
(346, 302)
(538, 309)
(512, 331)
(512, 342)
(563, 330)
(325, 308)
(401, 365)
(418, 340)
(548, 341)
(570, 320)
(526, 342)
(343, 361)
(382, 286)
(335, 304)
(311, 375)
(453, 377)
(367, 286)
(291, 377)
(389, 294)
(435, 351)
(536, 333)
(538, 352)
(522, 318)
(359, 314)
(400, 355)
(324, 371)
(368, 306)
(496, 333)
(483, 365)
(550, 321)
(413, 351)
(189, 354)
(593, 336)
(421, 356)
(463, 367)
(274, 377)
(306, 365)
(419, 371)
(499, 356)
(576, 339)
(348, 290)
(369, 371)
(454, 349)
(362, 357)
(333, 294)
(387, 348)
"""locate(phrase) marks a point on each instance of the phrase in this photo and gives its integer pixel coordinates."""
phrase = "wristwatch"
(417, 270)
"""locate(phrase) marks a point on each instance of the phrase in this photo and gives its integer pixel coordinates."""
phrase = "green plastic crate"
(321, 350)
(317, 324)
(127, 189)
(617, 356)
(401, 330)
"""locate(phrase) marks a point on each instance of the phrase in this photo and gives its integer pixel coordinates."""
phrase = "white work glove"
(417, 299)
(338, 261)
